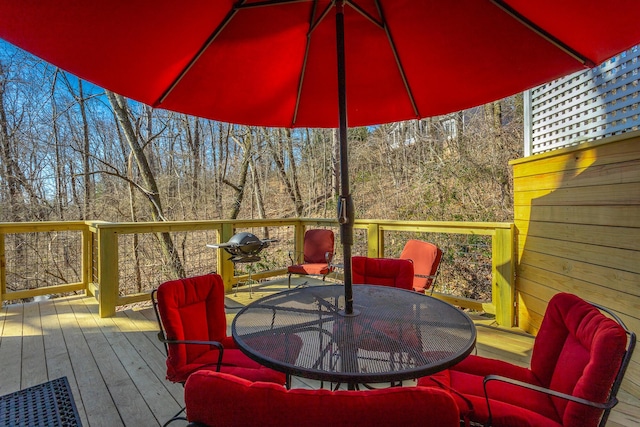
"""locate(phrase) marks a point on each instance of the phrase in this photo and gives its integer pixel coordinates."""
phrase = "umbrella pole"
(346, 214)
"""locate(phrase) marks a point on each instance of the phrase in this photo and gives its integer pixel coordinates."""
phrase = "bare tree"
(121, 110)
(243, 141)
(280, 147)
(18, 190)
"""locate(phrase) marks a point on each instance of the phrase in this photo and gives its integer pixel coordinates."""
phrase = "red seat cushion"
(508, 402)
(396, 273)
(426, 259)
(322, 268)
(577, 351)
(217, 399)
(193, 309)
(317, 244)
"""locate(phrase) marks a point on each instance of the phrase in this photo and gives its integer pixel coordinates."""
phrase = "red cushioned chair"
(318, 250)
(426, 259)
(396, 273)
(218, 399)
(578, 361)
(193, 328)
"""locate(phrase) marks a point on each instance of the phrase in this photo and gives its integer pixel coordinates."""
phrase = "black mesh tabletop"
(49, 404)
(395, 335)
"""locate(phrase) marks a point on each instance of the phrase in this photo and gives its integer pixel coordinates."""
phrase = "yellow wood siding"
(577, 214)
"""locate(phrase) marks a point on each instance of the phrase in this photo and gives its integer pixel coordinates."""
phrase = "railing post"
(503, 269)
(87, 258)
(298, 247)
(375, 241)
(3, 270)
(225, 267)
(107, 271)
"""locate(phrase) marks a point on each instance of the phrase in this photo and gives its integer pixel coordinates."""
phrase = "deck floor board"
(116, 366)
(57, 352)
(11, 350)
(84, 343)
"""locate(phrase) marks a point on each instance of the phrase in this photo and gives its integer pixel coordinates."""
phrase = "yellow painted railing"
(101, 252)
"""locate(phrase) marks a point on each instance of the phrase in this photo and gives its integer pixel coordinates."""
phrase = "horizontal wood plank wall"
(577, 214)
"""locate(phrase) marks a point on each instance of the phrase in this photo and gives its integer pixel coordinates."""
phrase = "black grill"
(244, 248)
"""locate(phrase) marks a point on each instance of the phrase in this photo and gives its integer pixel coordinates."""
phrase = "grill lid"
(244, 247)
(245, 243)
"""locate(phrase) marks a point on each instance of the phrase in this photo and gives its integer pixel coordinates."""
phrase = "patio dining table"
(393, 335)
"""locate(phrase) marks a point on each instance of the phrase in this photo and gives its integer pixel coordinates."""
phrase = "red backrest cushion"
(577, 351)
(396, 273)
(317, 243)
(426, 258)
(218, 399)
(192, 309)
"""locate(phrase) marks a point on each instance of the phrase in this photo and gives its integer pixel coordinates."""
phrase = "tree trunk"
(10, 184)
(86, 172)
(257, 191)
(134, 218)
(194, 141)
(60, 191)
(220, 168)
(241, 186)
(119, 105)
(294, 174)
(277, 155)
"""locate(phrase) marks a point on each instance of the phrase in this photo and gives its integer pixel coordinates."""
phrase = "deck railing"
(119, 263)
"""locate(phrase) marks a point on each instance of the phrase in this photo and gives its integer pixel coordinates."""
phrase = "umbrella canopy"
(320, 63)
(275, 65)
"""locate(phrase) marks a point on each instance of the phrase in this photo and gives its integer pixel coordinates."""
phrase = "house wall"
(584, 106)
(577, 214)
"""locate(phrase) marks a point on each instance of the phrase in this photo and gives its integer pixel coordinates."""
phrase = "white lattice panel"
(584, 106)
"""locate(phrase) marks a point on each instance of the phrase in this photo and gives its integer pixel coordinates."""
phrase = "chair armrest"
(295, 256)
(216, 344)
(607, 405)
(425, 276)
(328, 256)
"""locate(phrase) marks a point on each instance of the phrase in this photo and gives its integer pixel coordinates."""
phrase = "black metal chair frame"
(328, 256)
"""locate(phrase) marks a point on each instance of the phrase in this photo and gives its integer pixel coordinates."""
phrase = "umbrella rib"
(239, 5)
(312, 26)
(403, 75)
(268, 3)
(542, 33)
(323, 15)
(364, 13)
(200, 52)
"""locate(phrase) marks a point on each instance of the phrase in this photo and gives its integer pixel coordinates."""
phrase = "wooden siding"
(577, 214)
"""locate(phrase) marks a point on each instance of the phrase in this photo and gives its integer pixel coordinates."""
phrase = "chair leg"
(250, 268)
(289, 280)
(176, 417)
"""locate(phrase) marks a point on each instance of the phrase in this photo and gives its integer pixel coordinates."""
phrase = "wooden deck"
(116, 366)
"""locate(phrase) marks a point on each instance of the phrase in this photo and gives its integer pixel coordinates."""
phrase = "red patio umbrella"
(313, 63)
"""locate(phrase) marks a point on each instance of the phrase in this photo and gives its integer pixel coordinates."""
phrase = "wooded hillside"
(72, 151)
